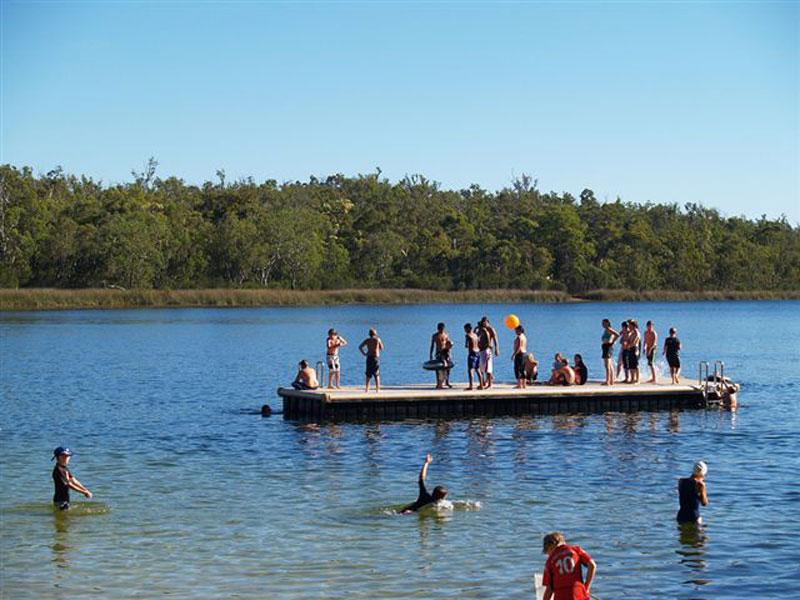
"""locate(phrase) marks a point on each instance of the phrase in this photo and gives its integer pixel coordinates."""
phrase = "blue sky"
(663, 102)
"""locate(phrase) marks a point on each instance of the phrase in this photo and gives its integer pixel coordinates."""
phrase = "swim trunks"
(651, 356)
(519, 366)
(333, 362)
(606, 350)
(633, 358)
(473, 360)
(373, 366)
(486, 361)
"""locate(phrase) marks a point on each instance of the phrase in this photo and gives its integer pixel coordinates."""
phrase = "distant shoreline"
(65, 299)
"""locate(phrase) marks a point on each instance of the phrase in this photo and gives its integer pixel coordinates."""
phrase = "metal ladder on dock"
(711, 387)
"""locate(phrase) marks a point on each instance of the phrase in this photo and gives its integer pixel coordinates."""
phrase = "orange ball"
(512, 322)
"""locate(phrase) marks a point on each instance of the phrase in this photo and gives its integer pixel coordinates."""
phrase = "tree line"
(60, 230)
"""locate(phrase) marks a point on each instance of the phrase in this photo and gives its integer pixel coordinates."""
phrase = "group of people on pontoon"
(482, 345)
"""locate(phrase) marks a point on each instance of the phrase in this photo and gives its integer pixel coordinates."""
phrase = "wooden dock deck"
(421, 401)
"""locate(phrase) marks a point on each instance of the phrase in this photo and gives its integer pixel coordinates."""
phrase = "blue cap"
(61, 450)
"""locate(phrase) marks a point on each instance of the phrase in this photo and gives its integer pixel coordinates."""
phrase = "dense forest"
(59, 230)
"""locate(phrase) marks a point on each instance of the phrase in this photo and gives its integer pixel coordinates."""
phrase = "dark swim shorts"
(673, 361)
(473, 360)
(62, 505)
(606, 350)
(633, 358)
(373, 366)
(651, 356)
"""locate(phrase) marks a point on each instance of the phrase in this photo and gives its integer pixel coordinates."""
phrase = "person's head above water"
(700, 468)
(62, 454)
(552, 541)
(439, 493)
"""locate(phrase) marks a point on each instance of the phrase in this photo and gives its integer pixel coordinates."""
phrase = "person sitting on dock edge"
(565, 375)
(332, 345)
(531, 368)
(581, 372)
(371, 349)
(64, 480)
(473, 356)
(563, 573)
(692, 493)
(425, 498)
(306, 378)
(440, 341)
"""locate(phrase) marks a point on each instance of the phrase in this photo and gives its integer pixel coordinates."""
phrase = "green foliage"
(62, 231)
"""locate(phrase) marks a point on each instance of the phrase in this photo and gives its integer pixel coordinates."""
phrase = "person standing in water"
(650, 345)
(424, 498)
(332, 344)
(518, 356)
(672, 350)
(64, 480)
(609, 337)
(563, 573)
(692, 493)
(473, 356)
(371, 349)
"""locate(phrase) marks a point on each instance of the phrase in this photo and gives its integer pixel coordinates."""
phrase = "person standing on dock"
(563, 573)
(473, 356)
(424, 498)
(622, 359)
(692, 493)
(609, 337)
(650, 345)
(672, 350)
(371, 349)
(64, 480)
(518, 356)
(441, 342)
(487, 342)
(634, 349)
(333, 343)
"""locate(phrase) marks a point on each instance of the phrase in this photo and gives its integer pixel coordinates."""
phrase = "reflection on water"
(693, 539)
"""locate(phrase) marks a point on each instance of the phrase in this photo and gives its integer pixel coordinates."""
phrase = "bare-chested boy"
(333, 343)
(371, 348)
(518, 356)
(440, 341)
(650, 345)
(487, 340)
(473, 355)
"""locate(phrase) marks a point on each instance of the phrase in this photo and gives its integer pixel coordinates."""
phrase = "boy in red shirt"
(563, 576)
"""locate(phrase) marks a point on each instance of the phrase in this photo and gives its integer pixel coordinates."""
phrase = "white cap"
(701, 468)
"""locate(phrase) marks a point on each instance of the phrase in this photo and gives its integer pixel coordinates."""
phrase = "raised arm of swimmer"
(423, 472)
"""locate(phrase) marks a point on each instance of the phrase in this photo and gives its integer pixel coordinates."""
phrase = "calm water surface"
(196, 496)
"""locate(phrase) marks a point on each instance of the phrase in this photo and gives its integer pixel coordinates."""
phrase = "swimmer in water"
(692, 493)
(64, 480)
(425, 498)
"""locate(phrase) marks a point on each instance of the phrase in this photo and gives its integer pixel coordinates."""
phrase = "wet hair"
(553, 539)
(331, 331)
(467, 326)
(519, 329)
(439, 492)
(440, 327)
(303, 364)
(672, 331)
(372, 333)
(578, 359)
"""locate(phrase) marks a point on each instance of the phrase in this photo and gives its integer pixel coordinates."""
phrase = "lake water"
(197, 495)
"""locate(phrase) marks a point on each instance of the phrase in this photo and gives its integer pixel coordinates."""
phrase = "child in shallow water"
(64, 480)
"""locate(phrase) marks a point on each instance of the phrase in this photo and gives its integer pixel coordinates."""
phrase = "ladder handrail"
(703, 381)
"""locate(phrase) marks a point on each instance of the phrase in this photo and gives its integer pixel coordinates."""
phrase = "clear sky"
(663, 102)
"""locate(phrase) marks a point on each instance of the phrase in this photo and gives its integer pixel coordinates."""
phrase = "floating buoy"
(512, 322)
